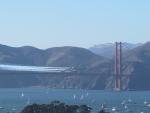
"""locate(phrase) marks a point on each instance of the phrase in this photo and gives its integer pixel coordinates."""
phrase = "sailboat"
(82, 97)
(22, 94)
(145, 102)
(123, 102)
(114, 109)
(74, 96)
(125, 107)
(129, 100)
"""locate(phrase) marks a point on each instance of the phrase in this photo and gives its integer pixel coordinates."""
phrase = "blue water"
(14, 100)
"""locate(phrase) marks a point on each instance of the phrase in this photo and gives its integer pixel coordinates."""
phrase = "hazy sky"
(47, 23)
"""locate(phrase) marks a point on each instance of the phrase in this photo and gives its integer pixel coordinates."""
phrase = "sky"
(82, 23)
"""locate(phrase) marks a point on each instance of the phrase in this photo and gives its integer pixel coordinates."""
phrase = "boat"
(74, 96)
(125, 107)
(114, 109)
(22, 94)
(103, 106)
(82, 97)
(129, 100)
(148, 105)
(145, 102)
(123, 102)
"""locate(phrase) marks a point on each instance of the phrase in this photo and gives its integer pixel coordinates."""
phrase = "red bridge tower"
(118, 60)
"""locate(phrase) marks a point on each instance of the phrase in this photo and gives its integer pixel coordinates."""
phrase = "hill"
(57, 56)
(91, 69)
(108, 49)
(137, 67)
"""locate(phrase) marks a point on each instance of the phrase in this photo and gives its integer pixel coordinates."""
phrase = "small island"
(58, 107)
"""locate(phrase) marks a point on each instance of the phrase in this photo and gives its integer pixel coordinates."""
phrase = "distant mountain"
(20, 56)
(108, 49)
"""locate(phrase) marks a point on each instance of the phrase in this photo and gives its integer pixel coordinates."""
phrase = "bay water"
(13, 100)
